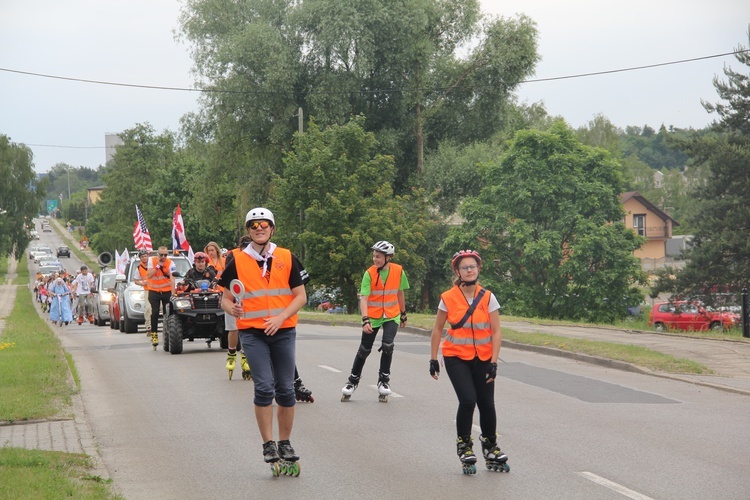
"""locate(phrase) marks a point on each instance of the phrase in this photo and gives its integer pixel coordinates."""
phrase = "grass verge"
(33, 367)
(49, 474)
(636, 355)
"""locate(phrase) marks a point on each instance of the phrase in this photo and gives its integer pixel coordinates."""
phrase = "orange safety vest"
(160, 282)
(383, 299)
(143, 272)
(474, 338)
(265, 296)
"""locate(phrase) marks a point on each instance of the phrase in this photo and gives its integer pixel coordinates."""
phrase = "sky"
(134, 42)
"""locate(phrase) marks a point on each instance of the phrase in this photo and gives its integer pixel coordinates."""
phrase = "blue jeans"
(272, 362)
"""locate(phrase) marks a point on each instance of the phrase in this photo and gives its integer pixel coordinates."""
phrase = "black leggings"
(472, 389)
(390, 329)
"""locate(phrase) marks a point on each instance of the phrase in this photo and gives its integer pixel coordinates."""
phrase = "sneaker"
(384, 389)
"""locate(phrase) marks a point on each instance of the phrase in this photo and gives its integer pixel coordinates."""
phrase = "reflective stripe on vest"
(264, 298)
(383, 299)
(474, 338)
(160, 282)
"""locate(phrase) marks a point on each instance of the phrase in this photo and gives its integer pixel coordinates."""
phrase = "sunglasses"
(163, 254)
(258, 224)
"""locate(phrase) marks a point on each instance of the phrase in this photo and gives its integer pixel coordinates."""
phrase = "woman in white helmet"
(383, 305)
(274, 291)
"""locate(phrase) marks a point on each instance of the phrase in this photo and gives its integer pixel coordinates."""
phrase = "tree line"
(411, 132)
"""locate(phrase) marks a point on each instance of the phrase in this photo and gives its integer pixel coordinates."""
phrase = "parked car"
(102, 296)
(114, 304)
(132, 298)
(32, 248)
(690, 316)
(40, 252)
(63, 251)
(48, 270)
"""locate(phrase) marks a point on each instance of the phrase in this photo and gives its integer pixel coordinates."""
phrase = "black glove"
(365, 321)
(492, 371)
(434, 367)
(403, 317)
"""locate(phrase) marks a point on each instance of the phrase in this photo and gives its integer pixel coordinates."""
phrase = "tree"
(335, 201)
(20, 196)
(146, 171)
(548, 223)
(719, 256)
(420, 71)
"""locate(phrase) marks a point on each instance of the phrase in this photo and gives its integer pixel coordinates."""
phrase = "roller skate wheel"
(275, 469)
(383, 398)
(230, 374)
(469, 469)
(345, 398)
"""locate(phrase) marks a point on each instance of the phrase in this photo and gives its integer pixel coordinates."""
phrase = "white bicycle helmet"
(384, 247)
(260, 213)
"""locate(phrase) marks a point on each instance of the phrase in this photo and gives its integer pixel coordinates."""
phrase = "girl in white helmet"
(383, 305)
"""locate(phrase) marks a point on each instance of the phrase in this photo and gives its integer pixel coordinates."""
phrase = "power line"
(314, 92)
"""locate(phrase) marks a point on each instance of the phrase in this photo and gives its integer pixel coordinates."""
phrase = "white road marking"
(391, 395)
(614, 486)
(329, 368)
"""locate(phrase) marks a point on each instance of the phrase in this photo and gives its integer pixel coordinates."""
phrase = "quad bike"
(194, 314)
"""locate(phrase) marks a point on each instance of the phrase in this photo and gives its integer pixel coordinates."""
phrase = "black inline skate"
(494, 458)
(289, 465)
(302, 393)
(466, 454)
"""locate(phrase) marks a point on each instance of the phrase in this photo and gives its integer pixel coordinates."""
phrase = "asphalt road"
(174, 426)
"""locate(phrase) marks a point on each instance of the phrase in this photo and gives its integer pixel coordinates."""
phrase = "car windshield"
(181, 263)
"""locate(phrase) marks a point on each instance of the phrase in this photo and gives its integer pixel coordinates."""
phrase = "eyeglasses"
(163, 254)
(469, 268)
(258, 224)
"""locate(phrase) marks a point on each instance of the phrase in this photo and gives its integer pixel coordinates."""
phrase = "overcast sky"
(132, 41)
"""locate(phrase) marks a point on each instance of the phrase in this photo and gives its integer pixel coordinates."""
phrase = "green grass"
(33, 367)
(636, 355)
(34, 474)
(3, 266)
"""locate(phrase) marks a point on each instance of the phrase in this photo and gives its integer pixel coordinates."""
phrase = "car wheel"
(659, 327)
(130, 326)
(121, 325)
(175, 334)
(716, 326)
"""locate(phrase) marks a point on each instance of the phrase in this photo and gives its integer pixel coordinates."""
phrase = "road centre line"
(391, 395)
(329, 368)
(613, 486)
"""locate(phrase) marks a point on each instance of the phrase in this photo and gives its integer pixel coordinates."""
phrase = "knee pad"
(387, 348)
(363, 352)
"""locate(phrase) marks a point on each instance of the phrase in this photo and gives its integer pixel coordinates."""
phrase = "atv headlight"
(182, 303)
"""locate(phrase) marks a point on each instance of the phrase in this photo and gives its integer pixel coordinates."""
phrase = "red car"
(690, 316)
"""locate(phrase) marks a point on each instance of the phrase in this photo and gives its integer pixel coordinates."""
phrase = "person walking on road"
(470, 352)
(274, 291)
(383, 305)
(160, 288)
(60, 310)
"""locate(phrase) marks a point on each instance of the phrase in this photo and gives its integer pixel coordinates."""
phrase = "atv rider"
(200, 271)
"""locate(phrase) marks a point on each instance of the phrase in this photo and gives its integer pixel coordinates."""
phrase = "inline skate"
(384, 388)
(246, 373)
(302, 393)
(154, 340)
(288, 465)
(466, 455)
(231, 362)
(495, 459)
(349, 388)
(271, 456)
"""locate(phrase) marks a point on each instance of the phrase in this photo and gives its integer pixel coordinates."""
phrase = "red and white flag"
(179, 240)
(141, 237)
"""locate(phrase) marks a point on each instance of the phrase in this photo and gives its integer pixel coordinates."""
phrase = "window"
(639, 224)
